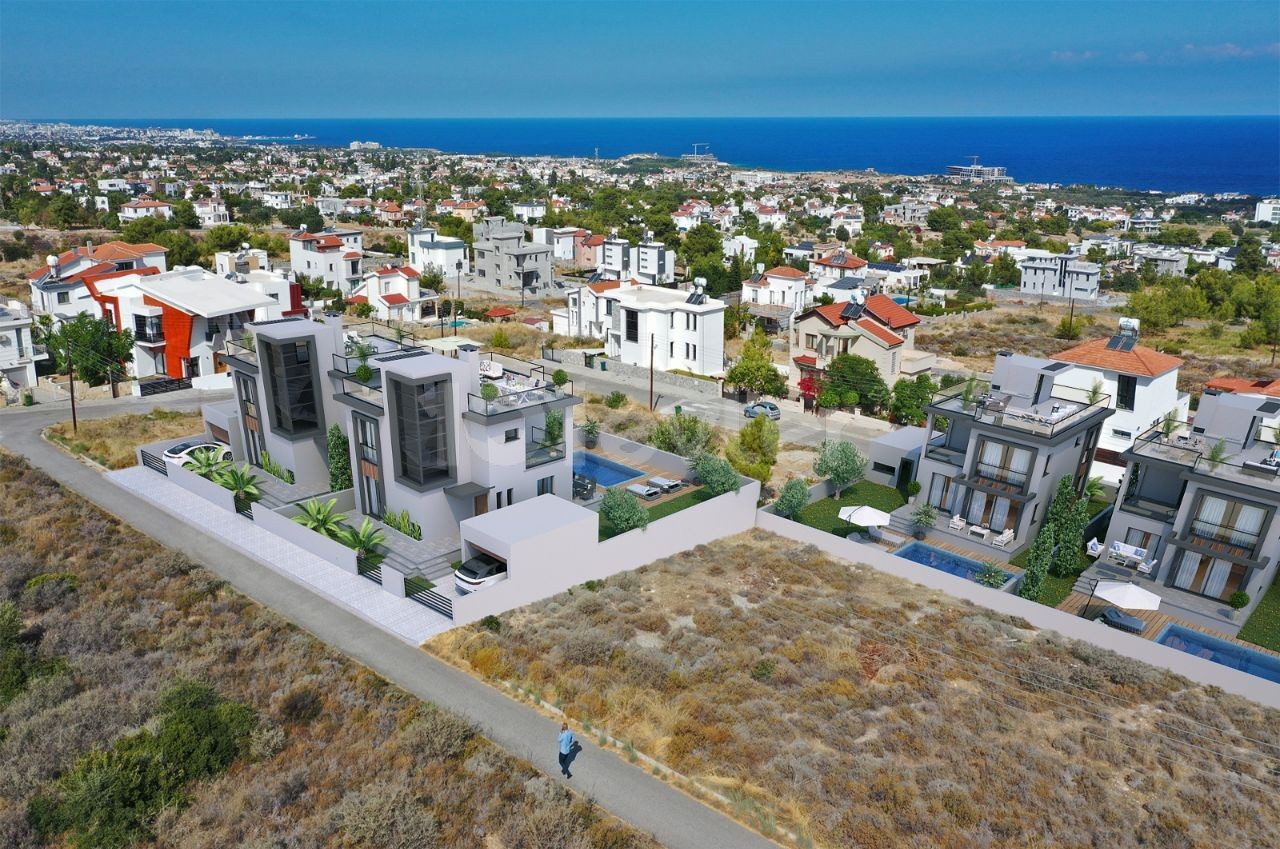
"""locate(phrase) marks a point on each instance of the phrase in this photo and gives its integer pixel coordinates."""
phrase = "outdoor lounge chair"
(1004, 539)
(648, 493)
(665, 484)
(1095, 547)
(490, 369)
(1147, 567)
(1121, 621)
(957, 523)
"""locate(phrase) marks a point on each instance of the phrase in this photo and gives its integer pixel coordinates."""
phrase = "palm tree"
(1093, 489)
(242, 482)
(205, 463)
(321, 517)
(1217, 455)
(1095, 392)
(364, 540)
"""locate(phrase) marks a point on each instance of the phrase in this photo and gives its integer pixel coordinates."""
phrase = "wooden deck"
(649, 472)
(999, 559)
(1075, 604)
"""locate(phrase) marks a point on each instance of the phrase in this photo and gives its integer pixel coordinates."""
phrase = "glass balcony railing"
(541, 450)
(1063, 409)
(1001, 474)
(237, 350)
(1255, 464)
(1243, 541)
(370, 393)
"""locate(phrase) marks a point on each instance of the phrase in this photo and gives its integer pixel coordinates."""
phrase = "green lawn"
(1263, 625)
(823, 514)
(659, 511)
(1054, 591)
(1097, 505)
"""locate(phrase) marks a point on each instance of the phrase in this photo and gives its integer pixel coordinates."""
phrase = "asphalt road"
(628, 792)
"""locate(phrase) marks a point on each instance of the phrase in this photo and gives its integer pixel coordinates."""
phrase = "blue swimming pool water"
(605, 471)
(901, 299)
(458, 323)
(1220, 651)
(944, 561)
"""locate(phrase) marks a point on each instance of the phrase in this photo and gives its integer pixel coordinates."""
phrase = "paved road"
(630, 793)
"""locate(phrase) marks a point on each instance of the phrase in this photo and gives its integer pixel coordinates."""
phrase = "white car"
(181, 453)
(480, 571)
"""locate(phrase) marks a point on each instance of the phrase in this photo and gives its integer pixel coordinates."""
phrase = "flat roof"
(199, 292)
(527, 519)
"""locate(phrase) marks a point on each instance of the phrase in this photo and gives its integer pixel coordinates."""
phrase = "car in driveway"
(181, 453)
(768, 409)
(480, 571)
(1115, 618)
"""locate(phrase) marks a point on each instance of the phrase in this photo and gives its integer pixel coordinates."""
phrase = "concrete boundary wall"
(572, 361)
(206, 489)
(1042, 617)
(570, 555)
(280, 523)
(673, 464)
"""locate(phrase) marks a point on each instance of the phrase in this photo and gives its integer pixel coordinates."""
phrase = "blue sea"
(1209, 154)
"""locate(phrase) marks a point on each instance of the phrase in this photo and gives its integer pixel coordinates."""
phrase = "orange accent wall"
(177, 335)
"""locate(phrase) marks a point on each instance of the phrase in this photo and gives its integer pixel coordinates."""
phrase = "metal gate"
(154, 463)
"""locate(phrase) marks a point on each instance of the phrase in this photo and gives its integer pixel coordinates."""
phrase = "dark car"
(768, 409)
(1121, 621)
(480, 571)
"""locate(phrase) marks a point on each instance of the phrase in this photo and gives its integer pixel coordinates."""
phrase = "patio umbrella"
(1128, 596)
(864, 516)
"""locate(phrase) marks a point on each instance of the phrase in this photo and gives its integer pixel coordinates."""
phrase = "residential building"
(1164, 261)
(740, 245)
(1267, 210)
(277, 199)
(777, 295)
(529, 211)
(428, 250)
(145, 207)
(587, 250)
(588, 312)
(834, 266)
(182, 319)
(666, 328)
(873, 327)
(390, 212)
(211, 211)
(1141, 382)
(563, 241)
(231, 263)
(1202, 497)
(648, 262)
(58, 289)
(395, 295)
(1061, 276)
(333, 255)
(1005, 446)
(893, 277)
(503, 256)
(1111, 245)
(18, 352)
(424, 439)
(906, 214)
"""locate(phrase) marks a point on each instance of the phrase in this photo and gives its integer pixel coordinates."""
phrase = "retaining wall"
(615, 370)
(206, 489)
(280, 523)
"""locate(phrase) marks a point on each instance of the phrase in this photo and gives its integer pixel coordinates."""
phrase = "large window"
(941, 493)
(292, 382)
(368, 469)
(422, 432)
(247, 394)
(1004, 463)
(632, 325)
(1126, 392)
(1229, 522)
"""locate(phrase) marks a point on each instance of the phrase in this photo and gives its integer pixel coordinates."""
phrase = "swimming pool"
(1220, 651)
(605, 471)
(901, 300)
(943, 561)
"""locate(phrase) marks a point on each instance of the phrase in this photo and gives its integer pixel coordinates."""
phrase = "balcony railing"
(540, 451)
(1257, 464)
(370, 394)
(1065, 407)
(990, 471)
(152, 336)
(1242, 540)
(239, 351)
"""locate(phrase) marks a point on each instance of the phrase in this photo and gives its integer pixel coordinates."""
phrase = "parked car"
(480, 571)
(1121, 621)
(179, 454)
(768, 409)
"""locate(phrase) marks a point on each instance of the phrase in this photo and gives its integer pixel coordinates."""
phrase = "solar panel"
(851, 310)
(1113, 343)
(1127, 343)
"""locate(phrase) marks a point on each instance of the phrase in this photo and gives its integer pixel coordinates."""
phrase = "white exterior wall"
(1153, 399)
(425, 251)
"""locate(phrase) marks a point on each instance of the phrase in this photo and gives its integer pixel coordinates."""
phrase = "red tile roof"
(786, 271)
(891, 312)
(847, 261)
(805, 360)
(145, 271)
(887, 337)
(394, 299)
(831, 314)
(357, 299)
(1244, 385)
(351, 255)
(499, 312)
(407, 271)
(1147, 362)
(594, 241)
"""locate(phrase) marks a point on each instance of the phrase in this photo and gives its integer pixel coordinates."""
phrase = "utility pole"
(71, 372)
(653, 345)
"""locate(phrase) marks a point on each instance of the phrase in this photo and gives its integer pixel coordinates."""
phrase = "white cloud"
(1227, 51)
(1072, 57)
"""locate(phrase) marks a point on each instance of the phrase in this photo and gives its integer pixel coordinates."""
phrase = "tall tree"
(754, 451)
(754, 369)
(93, 346)
(851, 372)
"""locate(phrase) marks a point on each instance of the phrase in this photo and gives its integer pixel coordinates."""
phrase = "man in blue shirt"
(566, 749)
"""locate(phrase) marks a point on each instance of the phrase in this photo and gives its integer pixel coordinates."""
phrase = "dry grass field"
(339, 758)
(861, 711)
(111, 441)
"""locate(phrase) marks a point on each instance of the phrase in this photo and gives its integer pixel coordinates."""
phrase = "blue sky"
(318, 59)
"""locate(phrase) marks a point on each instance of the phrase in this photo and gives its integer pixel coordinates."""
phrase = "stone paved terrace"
(1193, 610)
(405, 619)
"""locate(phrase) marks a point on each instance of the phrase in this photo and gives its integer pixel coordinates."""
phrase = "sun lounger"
(1146, 568)
(648, 493)
(957, 523)
(1004, 538)
(665, 484)
(490, 369)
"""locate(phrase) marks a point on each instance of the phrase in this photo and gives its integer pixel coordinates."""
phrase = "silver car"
(768, 409)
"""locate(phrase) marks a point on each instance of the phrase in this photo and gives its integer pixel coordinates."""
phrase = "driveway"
(628, 792)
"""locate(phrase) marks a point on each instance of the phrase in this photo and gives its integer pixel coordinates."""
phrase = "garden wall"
(1048, 618)
(280, 523)
(638, 376)
(673, 464)
(206, 489)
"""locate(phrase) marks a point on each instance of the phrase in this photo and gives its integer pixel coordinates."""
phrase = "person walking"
(566, 749)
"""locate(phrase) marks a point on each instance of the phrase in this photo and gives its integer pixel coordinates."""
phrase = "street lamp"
(457, 268)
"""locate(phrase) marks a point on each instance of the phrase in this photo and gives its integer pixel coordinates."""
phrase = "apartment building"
(58, 289)
(1141, 382)
(1267, 210)
(1006, 444)
(1170, 261)
(506, 259)
(648, 262)
(333, 255)
(425, 436)
(1202, 496)
(1061, 276)
(428, 250)
(873, 327)
(18, 352)
(906, 214)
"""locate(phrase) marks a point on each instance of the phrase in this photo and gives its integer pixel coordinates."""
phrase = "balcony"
(1148, 508)
(242, 353)
(1000, 474)
(1240, 543)
(152, 336)
(1256, 464)
(539, 451)
(514, 388)
(1065, 408)
(367, 393)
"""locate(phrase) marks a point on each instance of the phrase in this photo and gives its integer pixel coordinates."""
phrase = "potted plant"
(1239, 601)
(922, 519)
(488, 392)
(590, 432)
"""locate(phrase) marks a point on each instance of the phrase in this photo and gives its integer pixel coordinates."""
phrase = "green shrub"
(491, 623)
(623, 510)
(682, 434)
(274, 469)
(913, 488)
(791, 499)
(402, 523)
(499, 339)
(68, 580)
(1239, 600)
(559, 377)
(716, 474)
(991, 575)
(339, 449)
(763, 670)
(615, 400)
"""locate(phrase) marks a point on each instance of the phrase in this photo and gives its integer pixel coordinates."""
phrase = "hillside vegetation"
(143, 702)
(860, 710)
